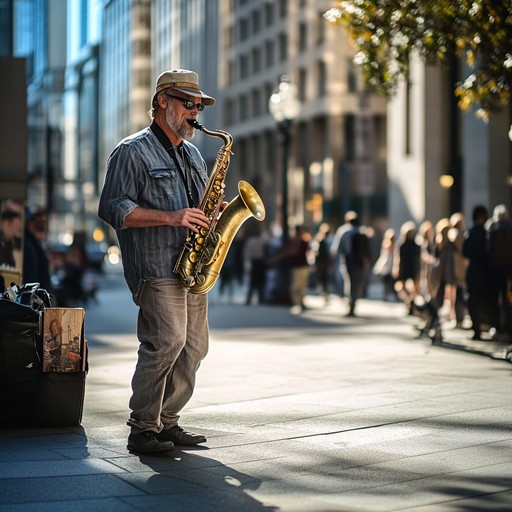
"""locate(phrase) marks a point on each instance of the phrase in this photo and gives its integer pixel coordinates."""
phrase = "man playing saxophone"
(154, 181)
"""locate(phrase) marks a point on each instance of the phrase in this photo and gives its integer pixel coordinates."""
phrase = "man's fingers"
(193, 218)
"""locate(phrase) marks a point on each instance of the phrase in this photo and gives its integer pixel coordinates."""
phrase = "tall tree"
(386, 32)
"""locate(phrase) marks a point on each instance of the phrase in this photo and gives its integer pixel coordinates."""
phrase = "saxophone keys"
(192, 257)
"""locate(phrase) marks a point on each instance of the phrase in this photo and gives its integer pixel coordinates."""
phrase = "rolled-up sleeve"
(120, 190)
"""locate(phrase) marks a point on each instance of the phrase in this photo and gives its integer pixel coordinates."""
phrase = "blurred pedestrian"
(477, 275)
(36, 266)
(255, 254)
(426, 241)
(350, 244)
(295, 254)
(383, 267)
(336, 256)
(443, 269)
(406, 265)
(457, 234)
(227, 276)
(499, 233)
(67, 279)
(322, 261)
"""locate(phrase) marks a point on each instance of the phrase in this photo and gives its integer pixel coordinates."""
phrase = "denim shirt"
(140, 172)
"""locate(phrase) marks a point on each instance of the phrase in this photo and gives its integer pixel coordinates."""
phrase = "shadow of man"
(193, 482)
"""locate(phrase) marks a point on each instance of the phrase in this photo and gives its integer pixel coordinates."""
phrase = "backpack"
(359, 250)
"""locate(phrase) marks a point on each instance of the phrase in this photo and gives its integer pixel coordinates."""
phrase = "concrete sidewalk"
(308, 413)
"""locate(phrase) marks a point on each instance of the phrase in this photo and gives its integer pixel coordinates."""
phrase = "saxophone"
(203, 254)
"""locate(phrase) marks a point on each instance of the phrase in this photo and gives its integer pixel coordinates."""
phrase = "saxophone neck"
(225, 136)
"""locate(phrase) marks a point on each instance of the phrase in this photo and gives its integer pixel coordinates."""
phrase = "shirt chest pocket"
(161, 188)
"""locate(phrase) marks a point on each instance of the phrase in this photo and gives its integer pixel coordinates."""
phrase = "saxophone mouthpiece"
(195, 124)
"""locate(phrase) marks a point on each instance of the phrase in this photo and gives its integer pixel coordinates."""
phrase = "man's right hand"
(191, 218)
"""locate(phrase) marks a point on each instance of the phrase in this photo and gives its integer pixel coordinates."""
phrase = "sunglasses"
(188, 104)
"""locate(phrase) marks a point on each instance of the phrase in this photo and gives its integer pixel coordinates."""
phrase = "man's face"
(12, 228)
(176, 116)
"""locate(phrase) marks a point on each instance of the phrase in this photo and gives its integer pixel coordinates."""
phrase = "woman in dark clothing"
(475, 249)
(407, 265)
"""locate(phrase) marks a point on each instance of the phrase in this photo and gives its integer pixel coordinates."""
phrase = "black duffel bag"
(20, 361)
(28, 396)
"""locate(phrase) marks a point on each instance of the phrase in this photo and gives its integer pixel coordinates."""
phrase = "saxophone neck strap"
(181, 161)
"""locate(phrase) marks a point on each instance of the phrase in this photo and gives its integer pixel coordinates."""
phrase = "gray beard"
(183, 130)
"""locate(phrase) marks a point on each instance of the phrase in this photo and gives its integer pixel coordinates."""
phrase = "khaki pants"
(172, 329)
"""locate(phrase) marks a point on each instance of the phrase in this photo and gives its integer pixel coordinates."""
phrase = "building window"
(243, 111)
(350, 137)
(244, 29)
(321, 24)
(256, 104)
(269, 54)
(231, 72)
(256, 21)
(229, 117)
(302, 84)
(303, 37)
(322, 78)
(283, 8)
(283, 47)
(244, 67)
(269, 14)
(256, 60)
(351, 76)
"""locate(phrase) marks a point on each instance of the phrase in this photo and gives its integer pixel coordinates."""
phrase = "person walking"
(443, 270)
(321, 253)
(350, 244)
(474, 249)
(499, 236)
(406, 265)
(296, 256)
(36, 265)
(457, 234)
(255, 253)
(154, 181)
(383, 267)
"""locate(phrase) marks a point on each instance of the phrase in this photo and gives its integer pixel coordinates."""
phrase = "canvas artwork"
(63, 340)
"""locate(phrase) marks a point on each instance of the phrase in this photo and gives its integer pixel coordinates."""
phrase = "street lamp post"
(284, 106)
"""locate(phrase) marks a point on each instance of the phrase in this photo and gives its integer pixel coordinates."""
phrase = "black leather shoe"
(147, 442)
(179, 436)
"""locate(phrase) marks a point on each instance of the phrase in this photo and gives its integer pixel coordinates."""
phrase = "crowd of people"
(459, 273)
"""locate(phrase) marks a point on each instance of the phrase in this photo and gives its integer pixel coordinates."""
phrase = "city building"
(91, 66)
(337, 157)
(441, 159)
